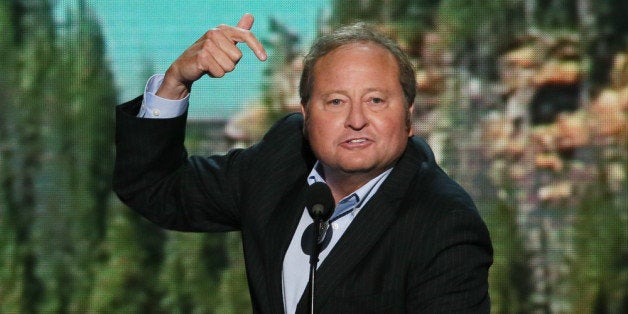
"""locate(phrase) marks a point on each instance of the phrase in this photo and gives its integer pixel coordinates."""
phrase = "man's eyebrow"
(344, 92)
(335, 91)
(376, 89)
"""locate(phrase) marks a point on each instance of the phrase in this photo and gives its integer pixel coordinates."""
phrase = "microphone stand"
(318, 223)
(320, 205)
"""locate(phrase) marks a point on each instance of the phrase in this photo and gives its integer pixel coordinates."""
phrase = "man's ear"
(409, 120)
(305, 120)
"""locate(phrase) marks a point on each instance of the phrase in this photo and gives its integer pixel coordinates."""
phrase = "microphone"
(320, 205)
(319, 201)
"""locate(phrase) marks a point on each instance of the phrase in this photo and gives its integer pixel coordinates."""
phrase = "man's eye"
(335, 102)
(377, 101)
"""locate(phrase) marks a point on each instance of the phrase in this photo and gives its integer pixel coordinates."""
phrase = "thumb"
(246, 21)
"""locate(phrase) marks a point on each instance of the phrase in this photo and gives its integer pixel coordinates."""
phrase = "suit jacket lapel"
(284, 218)
(279, 234)
(367, 228)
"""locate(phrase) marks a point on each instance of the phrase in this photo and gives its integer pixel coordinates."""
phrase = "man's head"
(357, 90)
(356, 33)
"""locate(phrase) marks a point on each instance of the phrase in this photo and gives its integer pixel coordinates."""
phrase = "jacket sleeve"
(154, 176)
(454, 279)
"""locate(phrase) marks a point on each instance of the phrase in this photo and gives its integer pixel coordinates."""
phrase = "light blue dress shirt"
(296, 263)
(155, 107)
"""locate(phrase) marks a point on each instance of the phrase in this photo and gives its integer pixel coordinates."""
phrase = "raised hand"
(214, 54)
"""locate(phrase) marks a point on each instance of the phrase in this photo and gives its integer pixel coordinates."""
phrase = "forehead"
(359, 58)
(357, 51)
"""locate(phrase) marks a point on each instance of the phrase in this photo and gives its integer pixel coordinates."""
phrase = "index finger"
(246, 21)
(241, 33)
(257, 47)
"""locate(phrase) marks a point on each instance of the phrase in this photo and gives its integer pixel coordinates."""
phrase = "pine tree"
(27, 66)
(57, 127)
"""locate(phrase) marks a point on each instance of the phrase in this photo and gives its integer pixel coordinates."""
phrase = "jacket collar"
(369, 226)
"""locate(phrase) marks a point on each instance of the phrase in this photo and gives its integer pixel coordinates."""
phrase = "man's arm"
(455, 278)
(153, 173)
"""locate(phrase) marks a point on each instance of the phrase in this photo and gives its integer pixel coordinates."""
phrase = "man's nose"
(356, 117)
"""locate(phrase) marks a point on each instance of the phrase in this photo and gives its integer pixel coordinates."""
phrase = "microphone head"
(319, 201)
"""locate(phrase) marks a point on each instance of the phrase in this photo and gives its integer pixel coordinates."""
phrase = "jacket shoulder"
(433, 183)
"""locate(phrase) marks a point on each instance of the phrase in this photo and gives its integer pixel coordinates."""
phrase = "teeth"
(358, 140)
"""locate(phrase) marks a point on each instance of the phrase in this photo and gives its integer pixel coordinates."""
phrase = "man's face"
(356, 120)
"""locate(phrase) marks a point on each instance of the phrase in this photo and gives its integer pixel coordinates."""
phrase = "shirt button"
(334, 225)
(156, 112)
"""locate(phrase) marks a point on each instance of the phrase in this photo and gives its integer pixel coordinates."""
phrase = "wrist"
(171, 88)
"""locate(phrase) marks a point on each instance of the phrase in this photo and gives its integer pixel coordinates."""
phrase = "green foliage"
(121, 284)
(11, 272)
(464, 18)
(234, 292)
(57, 152)
(408, 12)
(191, 272)
(599, 267)
(509, 278)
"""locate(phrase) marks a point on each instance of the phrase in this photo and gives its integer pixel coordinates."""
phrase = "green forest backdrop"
(524, 101)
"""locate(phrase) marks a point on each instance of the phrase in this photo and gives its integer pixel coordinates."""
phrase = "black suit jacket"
(419, 244)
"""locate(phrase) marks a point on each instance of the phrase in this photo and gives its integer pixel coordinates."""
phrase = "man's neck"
(342, 183)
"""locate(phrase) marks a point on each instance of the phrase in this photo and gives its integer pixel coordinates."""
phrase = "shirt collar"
(359, 196)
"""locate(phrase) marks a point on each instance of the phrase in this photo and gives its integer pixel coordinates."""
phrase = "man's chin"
(357, 169)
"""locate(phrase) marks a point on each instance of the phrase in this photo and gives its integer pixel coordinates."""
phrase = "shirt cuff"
(155, 107)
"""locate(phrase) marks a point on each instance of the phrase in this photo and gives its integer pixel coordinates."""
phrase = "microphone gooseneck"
(320, 205)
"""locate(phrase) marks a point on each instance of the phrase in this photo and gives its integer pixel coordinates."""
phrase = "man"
(403, 238)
